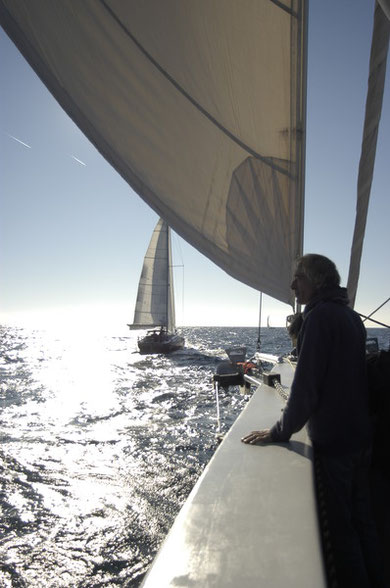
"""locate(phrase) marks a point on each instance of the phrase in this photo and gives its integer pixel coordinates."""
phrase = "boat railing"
(268, 358)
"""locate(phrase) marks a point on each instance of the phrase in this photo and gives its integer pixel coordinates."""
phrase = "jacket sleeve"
(312, 365)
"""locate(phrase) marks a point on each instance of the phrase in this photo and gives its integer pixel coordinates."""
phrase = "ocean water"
(101, 446)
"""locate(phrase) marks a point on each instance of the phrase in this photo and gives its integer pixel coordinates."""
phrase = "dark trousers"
(348, 521)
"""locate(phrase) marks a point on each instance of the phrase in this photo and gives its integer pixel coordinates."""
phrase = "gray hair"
(319, 270)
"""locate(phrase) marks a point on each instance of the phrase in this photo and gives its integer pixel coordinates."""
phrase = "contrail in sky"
(78, 160)
(29, 147)
(19, 141)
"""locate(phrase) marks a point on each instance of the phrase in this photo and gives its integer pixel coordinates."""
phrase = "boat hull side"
(251, 519)
(154, 347)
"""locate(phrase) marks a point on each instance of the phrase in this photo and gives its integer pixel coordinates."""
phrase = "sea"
(101, 446)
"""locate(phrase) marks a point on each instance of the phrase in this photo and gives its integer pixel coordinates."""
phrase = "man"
(329, 393)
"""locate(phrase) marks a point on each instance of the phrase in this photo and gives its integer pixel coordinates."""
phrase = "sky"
(73, 234)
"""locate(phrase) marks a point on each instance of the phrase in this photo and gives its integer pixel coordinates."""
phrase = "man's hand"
(263, 436)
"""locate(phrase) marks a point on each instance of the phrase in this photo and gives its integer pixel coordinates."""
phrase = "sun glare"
(72, 320)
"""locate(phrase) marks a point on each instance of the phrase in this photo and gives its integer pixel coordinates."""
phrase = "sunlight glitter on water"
(100, 448)
(78, 372)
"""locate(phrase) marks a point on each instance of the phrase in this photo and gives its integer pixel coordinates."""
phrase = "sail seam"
(178, 87)
(284, 7)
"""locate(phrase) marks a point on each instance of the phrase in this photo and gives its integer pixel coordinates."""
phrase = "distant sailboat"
(268, 325)
(155, 306)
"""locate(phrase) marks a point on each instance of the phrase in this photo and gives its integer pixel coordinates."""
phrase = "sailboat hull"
(251, 519)
(157, 343)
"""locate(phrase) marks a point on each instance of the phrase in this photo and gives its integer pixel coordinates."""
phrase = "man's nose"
(293, 284)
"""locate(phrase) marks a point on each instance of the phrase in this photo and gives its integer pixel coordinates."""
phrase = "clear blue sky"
(73, 234)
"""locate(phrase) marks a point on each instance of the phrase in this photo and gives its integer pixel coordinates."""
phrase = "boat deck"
(251, 519)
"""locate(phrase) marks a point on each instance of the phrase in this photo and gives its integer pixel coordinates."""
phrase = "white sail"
(376, 84)
(385, 5)
(199, 105)
(155, 298)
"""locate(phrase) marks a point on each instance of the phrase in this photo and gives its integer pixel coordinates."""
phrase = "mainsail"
(200, 106)
(155, 299)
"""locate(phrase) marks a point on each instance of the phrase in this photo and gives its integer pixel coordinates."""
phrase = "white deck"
(250, 521)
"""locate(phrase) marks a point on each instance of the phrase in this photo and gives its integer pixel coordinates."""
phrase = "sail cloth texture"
(199, 105)
(376, 85)
(155, 302)
(385, 5)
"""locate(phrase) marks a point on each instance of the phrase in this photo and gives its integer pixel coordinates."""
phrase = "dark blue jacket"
(329, 390)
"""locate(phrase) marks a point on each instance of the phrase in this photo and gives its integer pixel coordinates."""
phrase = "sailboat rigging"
(155, 305)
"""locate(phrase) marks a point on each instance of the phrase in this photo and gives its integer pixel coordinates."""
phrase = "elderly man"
(329, 393)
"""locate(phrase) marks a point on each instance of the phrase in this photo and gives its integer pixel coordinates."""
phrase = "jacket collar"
(338, 295)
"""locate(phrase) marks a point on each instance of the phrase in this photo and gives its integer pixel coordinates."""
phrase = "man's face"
(303, 288)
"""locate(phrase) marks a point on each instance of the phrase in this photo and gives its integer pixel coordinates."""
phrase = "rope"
(293, 365)
(376, 310)
(279, 388)
(373, 320)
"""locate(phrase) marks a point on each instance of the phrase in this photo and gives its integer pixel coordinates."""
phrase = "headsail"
(200, 106)
(376, 84)
(155, 301)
